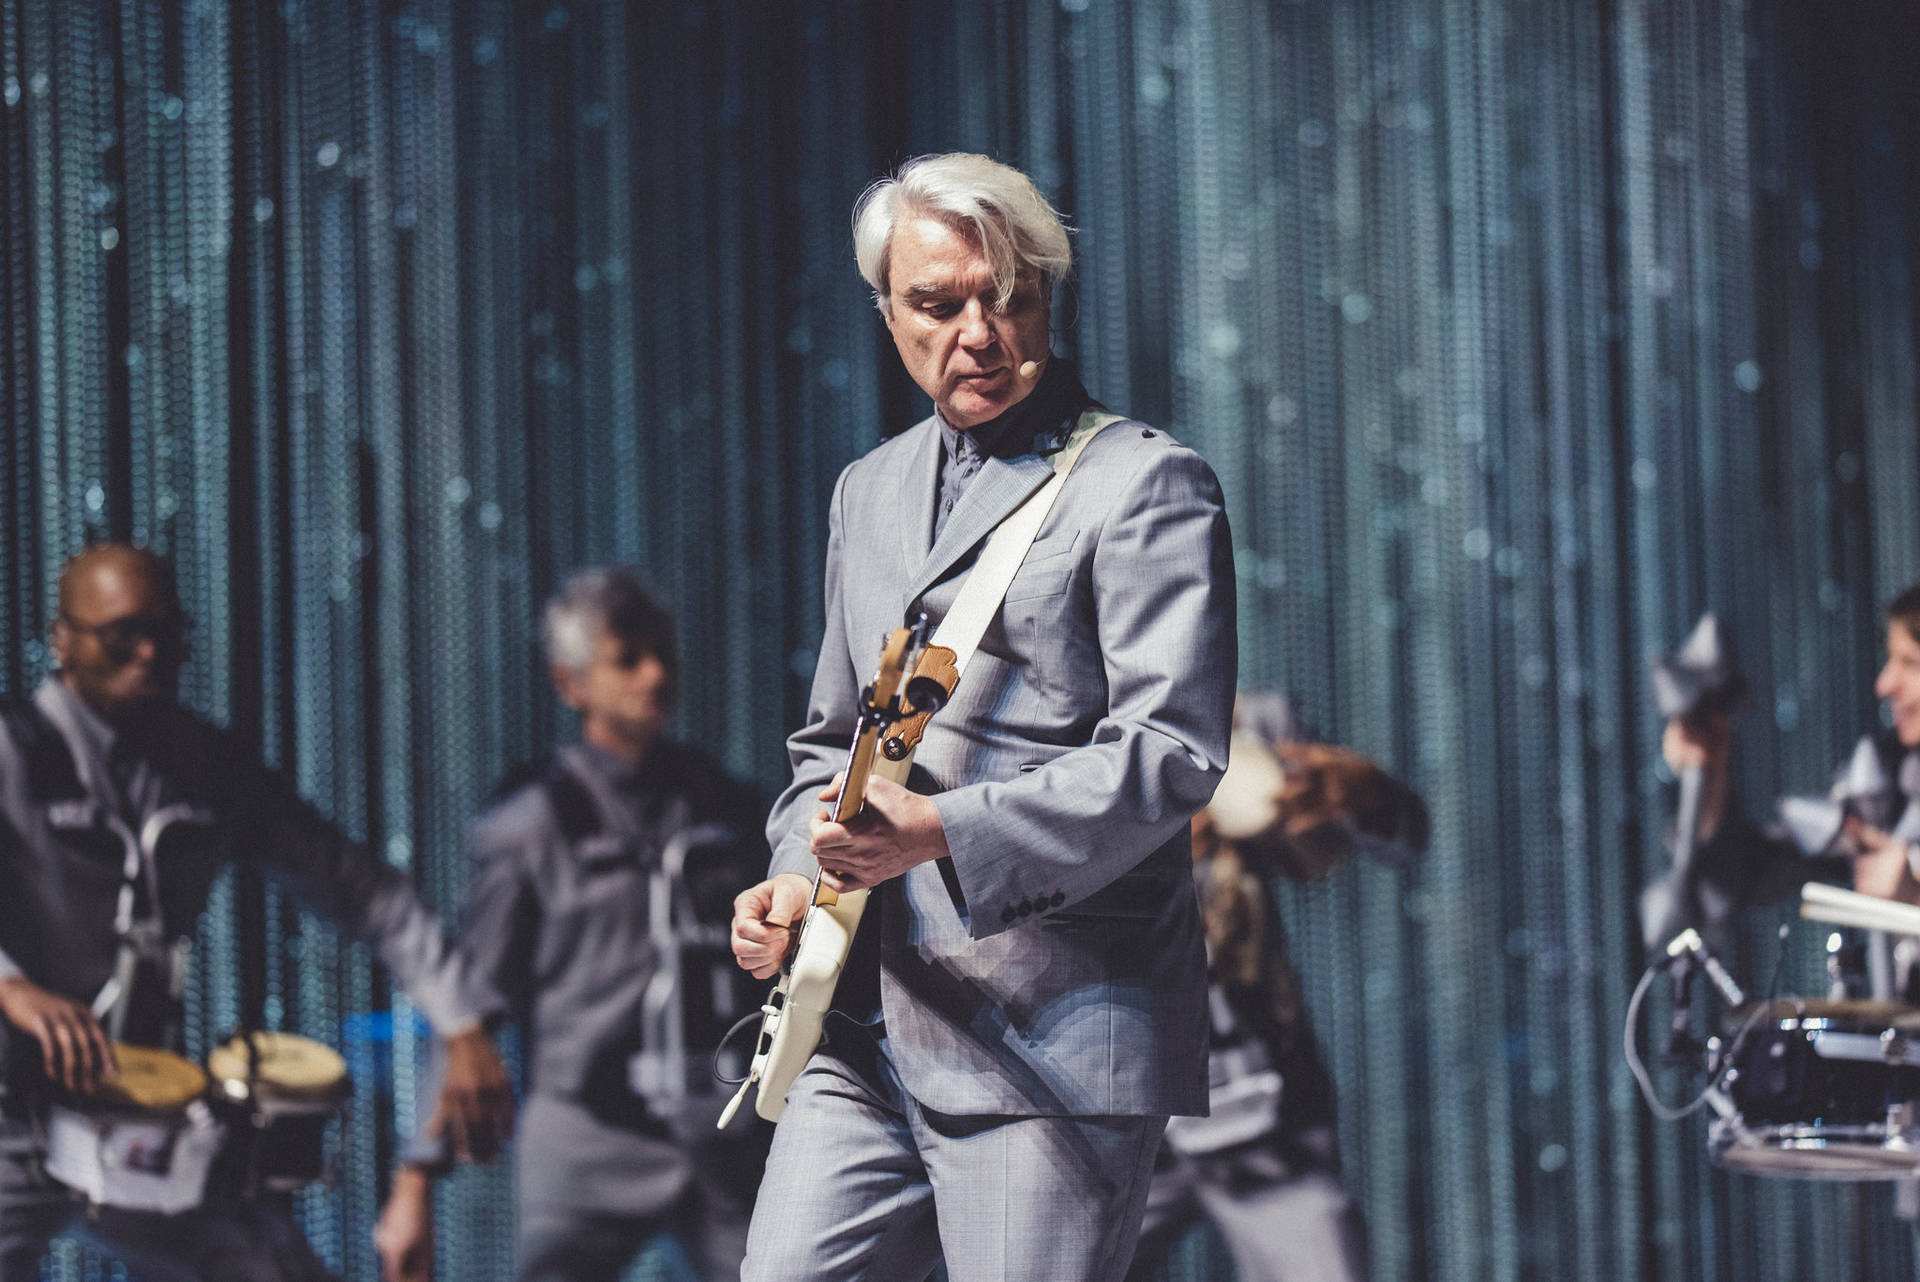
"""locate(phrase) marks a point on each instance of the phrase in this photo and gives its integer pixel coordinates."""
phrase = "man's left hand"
(475, 1111)
(896, 830)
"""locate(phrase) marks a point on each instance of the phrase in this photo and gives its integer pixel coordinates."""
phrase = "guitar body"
(799, 1003)
(797, 1007)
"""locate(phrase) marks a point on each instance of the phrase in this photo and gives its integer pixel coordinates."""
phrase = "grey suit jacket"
(1054, 965)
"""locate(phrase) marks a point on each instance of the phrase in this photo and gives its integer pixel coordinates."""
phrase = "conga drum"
(280, 1093)
(144, 1141)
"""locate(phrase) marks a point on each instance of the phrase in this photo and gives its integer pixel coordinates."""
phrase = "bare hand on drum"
(73, 1046)
(895, 831)
(763, 916)
(1881, 866)
(404, 1236)
(475, 1110)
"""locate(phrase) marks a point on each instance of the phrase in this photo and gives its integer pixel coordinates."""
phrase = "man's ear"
(566, 684)
(61, 637)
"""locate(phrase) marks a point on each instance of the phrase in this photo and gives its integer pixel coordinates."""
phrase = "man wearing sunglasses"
(117, 810)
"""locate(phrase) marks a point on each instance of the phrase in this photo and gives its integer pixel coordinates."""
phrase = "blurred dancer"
(117, 810)
(1263, 1165)
(560, 935)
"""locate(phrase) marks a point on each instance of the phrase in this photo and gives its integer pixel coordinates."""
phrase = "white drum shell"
(134, 1161)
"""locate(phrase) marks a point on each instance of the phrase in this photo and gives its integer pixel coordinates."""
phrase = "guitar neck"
(853, 794)
(878, 710)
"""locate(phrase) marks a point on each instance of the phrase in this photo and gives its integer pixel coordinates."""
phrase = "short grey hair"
(995, 205)
(609, 601)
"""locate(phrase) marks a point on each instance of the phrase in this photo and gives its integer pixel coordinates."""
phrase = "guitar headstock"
(879, 702)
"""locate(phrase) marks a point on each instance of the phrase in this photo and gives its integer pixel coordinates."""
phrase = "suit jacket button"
(1059, 897)
(1026, 908)
(1008, 913)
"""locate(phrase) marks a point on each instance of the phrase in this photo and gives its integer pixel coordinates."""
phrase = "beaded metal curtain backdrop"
(1518, 332)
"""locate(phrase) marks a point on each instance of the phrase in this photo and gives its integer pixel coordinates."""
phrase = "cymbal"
(289, 1064)
(1847, 1010)
(153, 1081)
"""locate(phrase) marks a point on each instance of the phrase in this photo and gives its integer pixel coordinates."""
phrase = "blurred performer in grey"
(1264, 1165)
(1026, 1000)
(117, 810)
(563, 933)
(1867, 828)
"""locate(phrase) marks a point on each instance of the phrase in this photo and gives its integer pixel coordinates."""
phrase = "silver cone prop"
(1865, 791)
(1703, 675)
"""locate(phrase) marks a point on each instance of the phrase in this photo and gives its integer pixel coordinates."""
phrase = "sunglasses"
(121, 638)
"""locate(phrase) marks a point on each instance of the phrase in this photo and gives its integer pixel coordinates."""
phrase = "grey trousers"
(1284, 1218)
(592, 1195)
(231, 1241)
(865, 1185)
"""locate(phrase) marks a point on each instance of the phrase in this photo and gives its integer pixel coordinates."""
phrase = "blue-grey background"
(1519, 331)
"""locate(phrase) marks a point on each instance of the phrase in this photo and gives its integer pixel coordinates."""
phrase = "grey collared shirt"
(1038, 422)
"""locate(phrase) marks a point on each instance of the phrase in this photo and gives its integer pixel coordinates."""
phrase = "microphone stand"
(1686, 837)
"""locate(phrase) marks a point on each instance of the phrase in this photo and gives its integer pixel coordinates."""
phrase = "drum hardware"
(1846, 966)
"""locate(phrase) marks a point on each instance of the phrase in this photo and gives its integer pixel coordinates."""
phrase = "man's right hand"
(1704, 742)
(762, 918)
(475, 1108)
(404, 1236)
(73, 1046)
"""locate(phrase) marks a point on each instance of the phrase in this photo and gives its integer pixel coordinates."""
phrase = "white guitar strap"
(993, 570)
(1006, 548)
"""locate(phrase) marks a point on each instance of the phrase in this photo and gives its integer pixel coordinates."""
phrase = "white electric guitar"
(890, 724)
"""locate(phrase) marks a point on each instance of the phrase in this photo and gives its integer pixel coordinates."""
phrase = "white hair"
(994, 205)
(604, 602)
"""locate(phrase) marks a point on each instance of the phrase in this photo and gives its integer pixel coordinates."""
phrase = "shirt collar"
(615, 772)
(98, 731)
(1037, 424)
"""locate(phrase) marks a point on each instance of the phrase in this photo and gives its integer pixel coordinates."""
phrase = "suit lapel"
(1001, 486)
(919, 491)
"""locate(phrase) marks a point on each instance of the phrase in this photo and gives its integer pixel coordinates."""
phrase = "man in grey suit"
(1026, 1003)
(569, 931)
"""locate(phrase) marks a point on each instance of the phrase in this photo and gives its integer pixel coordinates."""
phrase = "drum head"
(289, 1065)
(151, 1081)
